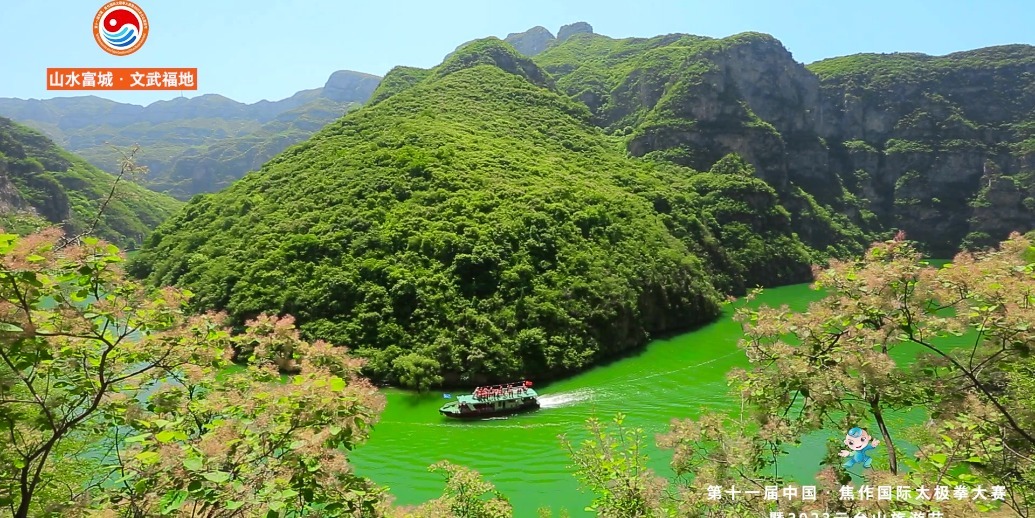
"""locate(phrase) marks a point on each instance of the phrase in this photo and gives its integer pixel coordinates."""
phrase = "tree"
(733, 164)
(613, 464)
(86, 353)
(965, 332)
(466, 495)
(417, 371)
(249, 442)
(834, 366)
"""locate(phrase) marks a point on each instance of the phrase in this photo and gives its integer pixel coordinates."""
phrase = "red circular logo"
(120, 27)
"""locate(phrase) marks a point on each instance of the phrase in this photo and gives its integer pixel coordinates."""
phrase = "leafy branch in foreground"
(613, 464)
(848, 361)
(88, 355)
(466, 494)
(891, 333)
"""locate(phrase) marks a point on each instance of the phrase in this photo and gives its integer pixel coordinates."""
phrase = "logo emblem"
(120, 27)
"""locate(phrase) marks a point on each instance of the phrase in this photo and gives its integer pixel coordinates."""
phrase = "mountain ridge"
(174, 133)
(692, 100)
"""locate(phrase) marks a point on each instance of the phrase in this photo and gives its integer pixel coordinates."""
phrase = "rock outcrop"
(570, 30)
(878, 142)
(531, 42)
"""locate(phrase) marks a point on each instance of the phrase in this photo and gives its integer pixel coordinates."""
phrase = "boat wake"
(686, 367)
(566, 398)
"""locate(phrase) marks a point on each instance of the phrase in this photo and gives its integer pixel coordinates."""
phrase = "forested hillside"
(472, 222)
(41, 182)
(504, 215)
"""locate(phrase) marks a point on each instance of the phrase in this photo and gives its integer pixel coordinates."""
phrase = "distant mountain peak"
(350, 86)
(568, 31)
(493, 51)
(538, 38)
(531, 42)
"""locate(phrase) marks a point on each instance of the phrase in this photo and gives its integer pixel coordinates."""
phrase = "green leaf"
(138, 438)
(337, 384)
(8, 327)
(193, 463)
(165, 435)
(233, 504)
(173, 500)
(217, 476)
(147, 456)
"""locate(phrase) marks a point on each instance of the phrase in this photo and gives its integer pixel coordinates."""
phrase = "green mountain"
(503, 215)
(191, 145)
(940, 147)
(39, 180)
(471, 221)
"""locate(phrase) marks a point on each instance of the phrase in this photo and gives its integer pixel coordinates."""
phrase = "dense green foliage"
(811, 132)
(480, 221)
(64, 189)
(92, 358)
(966, 334)
(623, 76)
(115, 402)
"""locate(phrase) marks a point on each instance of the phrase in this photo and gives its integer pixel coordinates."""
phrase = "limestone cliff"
(856, 146)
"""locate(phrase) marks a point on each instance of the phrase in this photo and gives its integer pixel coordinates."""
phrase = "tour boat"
(493, 401)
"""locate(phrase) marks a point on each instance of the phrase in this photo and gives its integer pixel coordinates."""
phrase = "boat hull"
(495, 412)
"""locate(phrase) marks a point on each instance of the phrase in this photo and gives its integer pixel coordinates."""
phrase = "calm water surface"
(672, 378)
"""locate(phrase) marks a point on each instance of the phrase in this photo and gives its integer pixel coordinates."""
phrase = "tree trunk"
(888, 442)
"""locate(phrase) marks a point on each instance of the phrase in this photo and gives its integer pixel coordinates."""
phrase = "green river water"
(523, 456)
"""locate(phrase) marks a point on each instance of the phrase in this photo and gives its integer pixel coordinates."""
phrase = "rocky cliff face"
(346, 86)
(538, 39)
(943, 142)
(531, 42)
(570, 30)
(872, 143)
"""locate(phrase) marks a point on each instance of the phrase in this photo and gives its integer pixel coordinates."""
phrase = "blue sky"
(267, 49)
